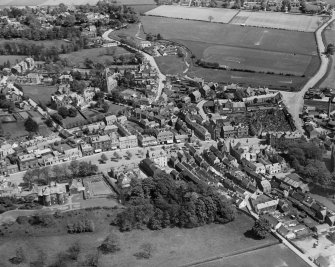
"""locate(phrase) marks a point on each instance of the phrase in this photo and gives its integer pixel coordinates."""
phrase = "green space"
(171, 246)
(272, 256)
(46, 43)
(14, 129)
(97, 55)
(141, 9)
(39, 93)
(243, 48)
(12, 59)
(172, 65)
(329, 37)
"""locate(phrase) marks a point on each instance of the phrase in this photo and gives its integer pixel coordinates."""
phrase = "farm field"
(97, 55)
(194, 13)
(172, 246)
(46, 43)
(172, 65)
(277, 20)
(39, 92)
(11, 59)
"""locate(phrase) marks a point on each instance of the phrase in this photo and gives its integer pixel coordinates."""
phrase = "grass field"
(11, 59)
(170, 64)
(278, 20)
(194, 13)
(46, 43)
(14, 129)
(330, 80)
(231, 35)
(172, 247)
(252, 59)
(39, 93)
(97, 55)
(68, 2)
(275, 256)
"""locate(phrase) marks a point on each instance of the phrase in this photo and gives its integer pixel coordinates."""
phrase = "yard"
(172, 65)
(329, 35)
(14, 129)
(39, 93)
(97, 55)
(172, 246)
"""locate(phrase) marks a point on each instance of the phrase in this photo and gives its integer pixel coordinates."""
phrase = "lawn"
(172, 65)
(39, 92)
(97, 55)
(14, 129)
(46, 43)
(12, 59)
(172, 247)
(219, 15)
(278, 20)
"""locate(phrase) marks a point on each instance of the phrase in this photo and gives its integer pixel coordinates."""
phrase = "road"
(294, 101)
(151, 59)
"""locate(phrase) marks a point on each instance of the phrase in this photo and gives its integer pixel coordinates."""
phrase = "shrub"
(22, 219)
(19, 258)
(81, 226)
(92, 260)
(74, 251)
(111, 244)
(146, 251)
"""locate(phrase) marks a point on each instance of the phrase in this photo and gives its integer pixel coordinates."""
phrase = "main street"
(161, 76)
(294, 101)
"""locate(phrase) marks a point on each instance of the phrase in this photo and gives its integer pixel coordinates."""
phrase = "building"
(100, 143)
(263, 204)
(128, 141)
(27, 161)
(164, 136)
(147, 140)
(54, 194)
(159, 157)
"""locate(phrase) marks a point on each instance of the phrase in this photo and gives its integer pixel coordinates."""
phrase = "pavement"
(151, 59)
(294, 101)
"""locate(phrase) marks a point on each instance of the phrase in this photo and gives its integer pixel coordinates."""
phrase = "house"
(86, 149)
(146, 140)
(164, 136)
(263, 204)
(128, 141)
(54, 194)
(109, 120)
(159, 157)
(100, 143)
(76, 187)
(195, 96)
(149, 167)
(27, 161)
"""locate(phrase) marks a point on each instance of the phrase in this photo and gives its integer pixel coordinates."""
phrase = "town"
(100, 126)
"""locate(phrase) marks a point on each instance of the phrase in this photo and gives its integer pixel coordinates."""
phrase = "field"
(14, 129)
(11, 59)
(46, 43)
(248, 18)
(97, 55)
(275, 256)
(172, 247)
(243, 48)
(194, 13)
(170, 64)
(278, 20)
(39, 92)
(330, 80)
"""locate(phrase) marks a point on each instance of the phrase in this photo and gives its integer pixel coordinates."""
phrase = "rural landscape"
(167, 133)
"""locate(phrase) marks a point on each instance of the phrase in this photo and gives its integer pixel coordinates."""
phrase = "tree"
(103, 158)
(210, 18)
(73, 251)
(19, 258)
(49, 122)
(145, 252)
(72, 112)
(105, 107)
(330, 49)
(73, 167)
(57, 118)
(111, 244)
(31, 125)
(286, 6)
(63, 111)
(261, 228)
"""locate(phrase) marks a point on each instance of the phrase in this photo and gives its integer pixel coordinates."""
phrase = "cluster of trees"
(330, 49)
(31, 125)
(6, 104)
(261, 228)
(67, 112)
(206, 64)
(111, 244)
(307, 159)
(59, 173)
(160, 202)
(80, 226)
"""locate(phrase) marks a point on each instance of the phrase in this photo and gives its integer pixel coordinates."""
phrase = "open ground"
(329, 36)
(275, 20)
(12, 59)
(172, 246)
(243, 48)
(97, 55)
(39, 93)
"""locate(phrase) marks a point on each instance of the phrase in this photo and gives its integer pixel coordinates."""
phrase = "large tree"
(31, 125)
(261, 228)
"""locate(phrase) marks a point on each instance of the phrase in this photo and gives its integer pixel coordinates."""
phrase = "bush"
(42, 220)
(92, 260)
(74, 251)
(81, 226)
(111, 244)
(145, 252)
(19, 258)
(22, 220)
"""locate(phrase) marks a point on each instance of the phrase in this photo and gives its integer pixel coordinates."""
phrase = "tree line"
(159, 202)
